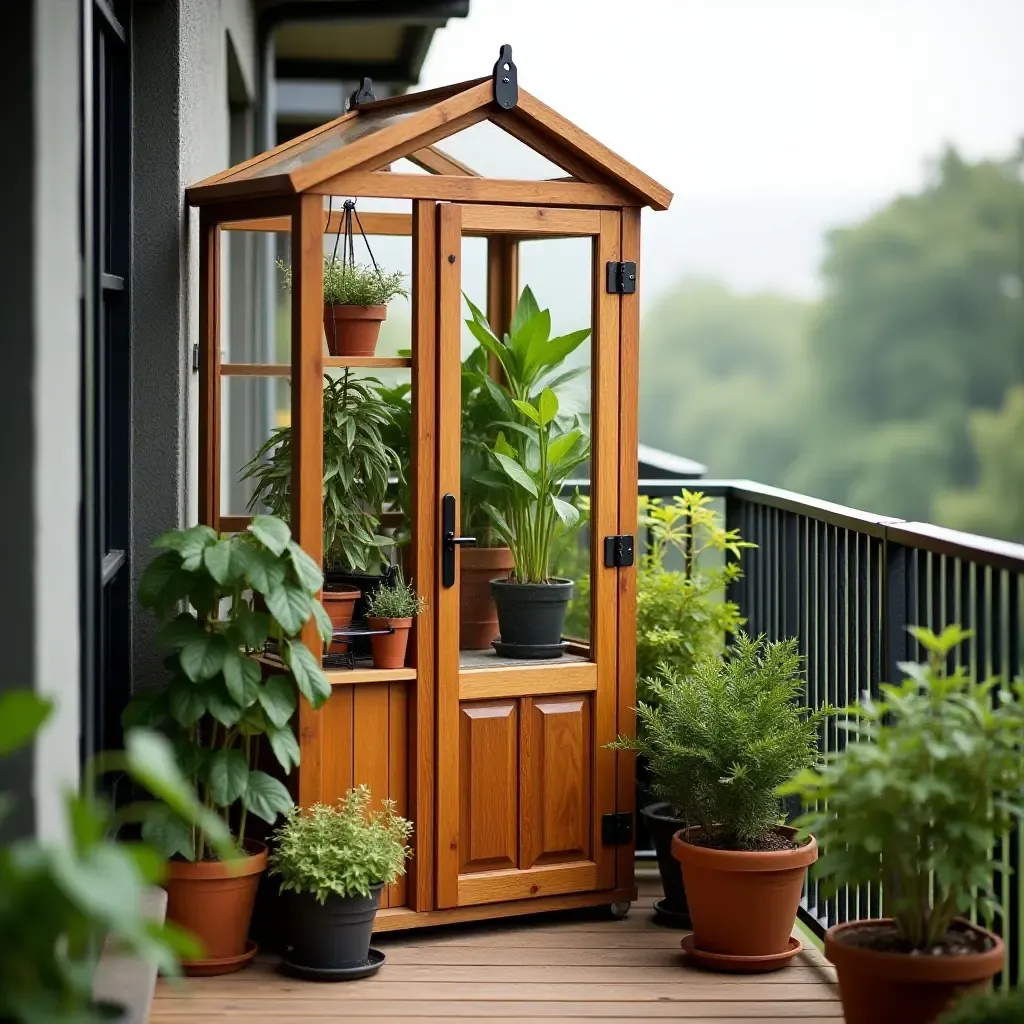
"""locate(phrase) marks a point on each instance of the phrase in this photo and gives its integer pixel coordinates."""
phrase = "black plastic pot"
(530, 615)
(329, 936)
(662, 826)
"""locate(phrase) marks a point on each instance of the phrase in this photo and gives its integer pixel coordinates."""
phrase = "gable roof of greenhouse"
(338, 156)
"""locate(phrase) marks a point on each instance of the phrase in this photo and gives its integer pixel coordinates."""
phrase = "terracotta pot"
(389, 648)
(899, 988)
(478, 617)
(353, 330)
(743, 903)
(214, 901)
(340, 605)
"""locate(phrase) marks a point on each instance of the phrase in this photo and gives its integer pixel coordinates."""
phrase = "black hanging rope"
(348, 251)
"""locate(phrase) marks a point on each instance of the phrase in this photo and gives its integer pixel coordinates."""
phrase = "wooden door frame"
(602, 872)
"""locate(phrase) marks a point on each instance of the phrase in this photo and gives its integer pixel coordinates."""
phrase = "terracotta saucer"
(223, 965)
(740, 964)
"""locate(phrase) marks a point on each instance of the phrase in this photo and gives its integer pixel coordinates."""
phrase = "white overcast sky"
(771, 120)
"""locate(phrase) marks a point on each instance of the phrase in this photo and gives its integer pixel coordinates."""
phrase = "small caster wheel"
(619, 910)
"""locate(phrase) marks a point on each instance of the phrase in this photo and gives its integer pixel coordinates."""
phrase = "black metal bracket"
(617, 828)
(449, 541)
(364, 94)
(618, 550)
(621, 278)
(506, 83)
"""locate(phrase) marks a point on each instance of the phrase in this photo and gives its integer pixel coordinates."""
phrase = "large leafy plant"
(721, 739)
(916, 805)
(217, 706)
(340, 850)
(58, 901)
(357, 465)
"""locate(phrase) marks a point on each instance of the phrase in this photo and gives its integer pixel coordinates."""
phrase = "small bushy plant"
(394, 600)
(722, 739)
(1006, 1007)
(916, 806)
(341, 850)
(346, 284)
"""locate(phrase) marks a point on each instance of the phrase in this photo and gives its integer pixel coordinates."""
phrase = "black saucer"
(672, 918)
(530, 651)
(361, 969)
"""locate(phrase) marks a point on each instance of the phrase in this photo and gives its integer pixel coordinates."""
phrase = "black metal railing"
(847, 584)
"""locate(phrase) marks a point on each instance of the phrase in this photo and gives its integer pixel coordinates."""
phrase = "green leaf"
(253, 627)
(516, 473)
(220, 561)
(157, 578)
(103, 882)
(22, 712)
(285, 747)
(307, 571)
(189, 543)
(277, 698)
(170, 835)
(203, 658)
(186, 702)
(266, 797)
(272, 532)
(220, 704)
(241, 677)
(526, 309)
(527, 410)
(547, 407)
(562, 445)
(182, 630)
(265, 572)
(146, 708)
(228, 776)
(569, 514)
(324, 626)
(290, 605)
(309, 678)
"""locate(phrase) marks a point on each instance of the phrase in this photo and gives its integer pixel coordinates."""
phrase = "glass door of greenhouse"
(527, 479)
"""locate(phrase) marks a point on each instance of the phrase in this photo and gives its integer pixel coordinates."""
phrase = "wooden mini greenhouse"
(501, 762)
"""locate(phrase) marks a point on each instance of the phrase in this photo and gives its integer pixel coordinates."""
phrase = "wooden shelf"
(349, 676)
(330, 363)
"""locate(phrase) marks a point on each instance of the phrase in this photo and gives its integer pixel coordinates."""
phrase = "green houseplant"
(720, 741)
(1005, 1007)
(357, 466)
(915, 807)
(393, 605)
(333, 862)
(58, 901)
(355, 304)
(218, 708)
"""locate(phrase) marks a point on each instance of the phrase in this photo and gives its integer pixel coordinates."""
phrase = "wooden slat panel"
(554, 778)
(525, 220)
(448, 424)
(495, 886)
(308, 445)
(209, 376)
(488, 787)
(371, 731)
(398, 770)
(338, 743)
(522, 681)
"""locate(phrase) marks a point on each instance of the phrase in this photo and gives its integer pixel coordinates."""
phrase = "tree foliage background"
(901, 392)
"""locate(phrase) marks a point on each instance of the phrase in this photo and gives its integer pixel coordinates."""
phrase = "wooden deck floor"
(567, 966)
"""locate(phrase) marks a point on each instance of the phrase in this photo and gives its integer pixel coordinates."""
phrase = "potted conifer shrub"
(721, 740)
(915, 808)
(218, 708)
(333, 862)
(391, 609)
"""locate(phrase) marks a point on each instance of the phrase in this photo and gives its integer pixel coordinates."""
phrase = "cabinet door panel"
(556, 750)
(488, 770)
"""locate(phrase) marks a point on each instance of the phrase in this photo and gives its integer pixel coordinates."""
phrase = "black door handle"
(449, 540)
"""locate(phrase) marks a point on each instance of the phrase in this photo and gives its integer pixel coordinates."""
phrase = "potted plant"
(720, 741)
(217, 707)
(1005, 1007)
(59, 901)
(392, 606)
(916, 808)
(355, 304)
(333, 863)
(357, 465)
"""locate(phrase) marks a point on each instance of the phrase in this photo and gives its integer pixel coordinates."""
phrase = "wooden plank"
(373, 223)
(308, 446)
(564, 133)
(542, 142)
(629, 368)
(438, 162)
(527, 220)
(530, 883)
(273, 186)
(234, 524)
(398, 770)
(209, 375)
(424, 528)
(604, 462)
(502, 290)
(348, 676)
(449, 409)
(329, 362)
(454, 188)
(338, 725)
(480, 684)
(370, 755)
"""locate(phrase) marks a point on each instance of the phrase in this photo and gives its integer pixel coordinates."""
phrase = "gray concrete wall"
(182, 134)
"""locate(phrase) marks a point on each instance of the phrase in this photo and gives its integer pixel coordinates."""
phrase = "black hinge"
(618, 550)
(621, 278)
(617, 829)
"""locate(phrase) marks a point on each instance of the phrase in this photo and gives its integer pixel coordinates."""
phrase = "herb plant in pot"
(218, 708)
(723, 738)
(915, 808)
(333, 862)
(392, 606)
